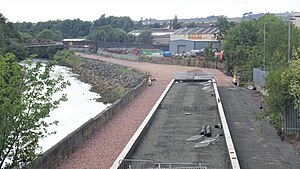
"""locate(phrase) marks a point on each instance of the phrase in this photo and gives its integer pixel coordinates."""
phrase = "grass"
(67, 58)
(125, 69)
(108, 95)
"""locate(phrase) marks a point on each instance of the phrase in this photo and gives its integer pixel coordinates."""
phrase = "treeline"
(107, 29)
(263, 43)
(10, 39)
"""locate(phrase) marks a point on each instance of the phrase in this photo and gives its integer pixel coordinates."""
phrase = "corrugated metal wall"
(178, 46)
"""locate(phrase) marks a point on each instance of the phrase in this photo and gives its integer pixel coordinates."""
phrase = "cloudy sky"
(43, 10)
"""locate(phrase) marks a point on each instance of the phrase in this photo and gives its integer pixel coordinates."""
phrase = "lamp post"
(289, 41)
(289, 38)
(264, 46)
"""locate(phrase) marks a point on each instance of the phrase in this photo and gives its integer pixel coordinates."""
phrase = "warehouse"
(161, 36)
(187, 39)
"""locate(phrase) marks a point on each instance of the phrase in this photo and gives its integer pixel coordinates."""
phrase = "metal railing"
(148, 164)
(291, 119)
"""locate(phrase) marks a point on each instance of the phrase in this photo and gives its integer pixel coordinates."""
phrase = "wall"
(259, 76)
(63, 149)
(189, 45)
(202, 44)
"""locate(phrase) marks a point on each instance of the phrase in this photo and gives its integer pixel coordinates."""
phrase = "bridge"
(31, 42)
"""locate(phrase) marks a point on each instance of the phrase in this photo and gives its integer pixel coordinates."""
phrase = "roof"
(198, 30)
(155, 32)
(73, 40)
(196, 40)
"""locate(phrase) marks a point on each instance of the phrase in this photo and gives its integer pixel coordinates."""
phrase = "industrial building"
(187, 39)
(161, 36)
(79, 44)
(297, 19)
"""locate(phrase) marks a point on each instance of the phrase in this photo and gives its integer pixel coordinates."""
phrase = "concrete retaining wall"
(63, 149)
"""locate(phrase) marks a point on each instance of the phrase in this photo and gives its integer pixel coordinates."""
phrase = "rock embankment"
(110, 81)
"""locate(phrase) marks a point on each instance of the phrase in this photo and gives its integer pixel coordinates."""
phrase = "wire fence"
(291, 119)
(119, 56)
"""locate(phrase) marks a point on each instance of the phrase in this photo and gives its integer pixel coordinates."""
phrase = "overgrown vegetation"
(67, 58)
(124, 69)
(108, 95)
(263, 43)
(25, 101)
(10, 40)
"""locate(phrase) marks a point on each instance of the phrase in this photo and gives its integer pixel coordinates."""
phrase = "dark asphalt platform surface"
(256, 142)
(165, 139)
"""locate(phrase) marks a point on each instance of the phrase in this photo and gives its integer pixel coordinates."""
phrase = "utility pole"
(289, 40)
(264, 46)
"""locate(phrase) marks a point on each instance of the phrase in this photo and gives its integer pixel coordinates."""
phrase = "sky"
(89, 10)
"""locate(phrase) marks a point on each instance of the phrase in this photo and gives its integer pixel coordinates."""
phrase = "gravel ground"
(104, 147)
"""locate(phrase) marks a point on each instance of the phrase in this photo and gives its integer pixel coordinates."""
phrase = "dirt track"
(104, 147)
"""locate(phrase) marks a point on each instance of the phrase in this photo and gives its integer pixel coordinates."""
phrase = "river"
(80, 107)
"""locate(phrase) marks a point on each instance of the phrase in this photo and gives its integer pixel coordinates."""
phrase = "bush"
(67, 58)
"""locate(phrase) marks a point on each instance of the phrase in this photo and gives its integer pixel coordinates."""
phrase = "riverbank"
(109, 80)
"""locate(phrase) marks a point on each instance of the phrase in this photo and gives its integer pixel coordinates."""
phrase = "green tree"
(119, 35)
(48, 34)
(145, 38)
(123, 22)
(278, 95)
(175, 23)
(224, 27)
(103, 33)
(25, 100)
(292, 77)
(239, 44)
(10, 39)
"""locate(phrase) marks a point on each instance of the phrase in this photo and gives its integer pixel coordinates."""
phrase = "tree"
(145, 38)
(224, 27)
(292, 77)
(239, 43)
(123, 22)
(48, 34)
(10, 39)
(25, 100)
(175, 23)
(119, 35)
(103, 33)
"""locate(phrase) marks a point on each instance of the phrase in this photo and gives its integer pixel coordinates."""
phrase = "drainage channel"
(171, 135)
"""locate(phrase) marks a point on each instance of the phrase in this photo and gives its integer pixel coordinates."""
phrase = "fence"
(149, 164)
(259, 76)
(119, 56)
(104, 45)
(291, 119)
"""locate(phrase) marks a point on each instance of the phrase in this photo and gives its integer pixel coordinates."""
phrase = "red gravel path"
(101, 150)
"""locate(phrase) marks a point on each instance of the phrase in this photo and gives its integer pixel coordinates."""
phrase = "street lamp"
(264, 46)
(289, 38)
